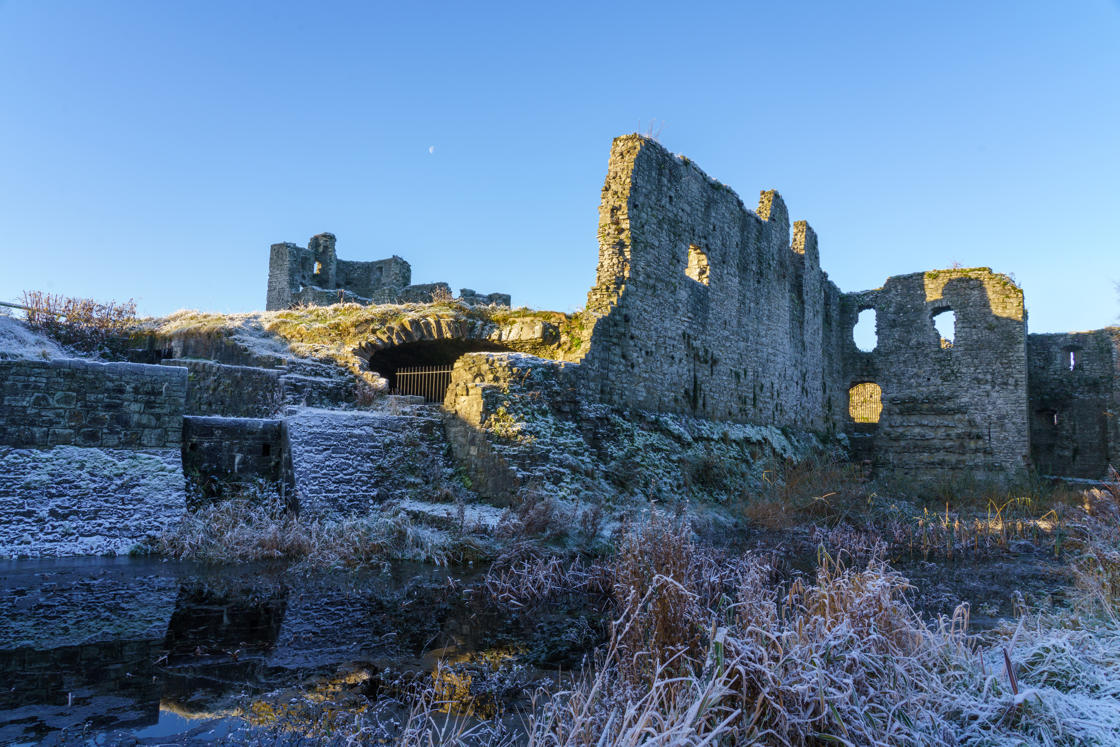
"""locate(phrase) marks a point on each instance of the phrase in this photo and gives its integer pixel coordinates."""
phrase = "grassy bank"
(709, 646)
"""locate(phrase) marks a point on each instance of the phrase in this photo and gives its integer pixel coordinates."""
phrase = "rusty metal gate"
(429, 382)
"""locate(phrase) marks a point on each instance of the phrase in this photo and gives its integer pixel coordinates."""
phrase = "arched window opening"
(866, 332)
(945, 322)
(865, 402)
(697, 268)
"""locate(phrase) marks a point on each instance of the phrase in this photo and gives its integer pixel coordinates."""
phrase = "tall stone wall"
(705, 307)
(947, 409)
(85, 403)
(1074, 383)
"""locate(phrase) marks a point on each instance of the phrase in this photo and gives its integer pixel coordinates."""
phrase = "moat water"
(138, 650)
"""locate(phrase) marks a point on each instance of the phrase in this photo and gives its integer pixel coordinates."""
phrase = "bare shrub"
(538, 516)
(81, 323)
(442, 294)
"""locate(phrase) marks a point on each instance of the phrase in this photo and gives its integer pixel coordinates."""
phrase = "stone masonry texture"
(704, 307)
(948, 409)
(231, 391)
(85, 403)
(1074, 384)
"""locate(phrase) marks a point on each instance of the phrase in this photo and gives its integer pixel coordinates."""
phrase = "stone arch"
(429, 342)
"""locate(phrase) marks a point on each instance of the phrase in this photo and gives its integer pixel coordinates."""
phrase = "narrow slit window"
(866, 332)
(697, 264)
(945, 322)
(1071, 358)
(865, 402)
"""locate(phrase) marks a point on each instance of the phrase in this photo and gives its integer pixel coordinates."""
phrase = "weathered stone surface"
(522, 427)
(71, 500)
(231, 391)
(72, 401)
(704, 307)
(948, 409)
(348, 463)
(220, 452)
(1074, 384)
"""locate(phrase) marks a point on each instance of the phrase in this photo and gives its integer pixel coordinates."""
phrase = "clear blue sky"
(156, 149)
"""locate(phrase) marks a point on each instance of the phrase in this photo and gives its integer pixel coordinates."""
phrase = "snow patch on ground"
(20, 342)
(86, 501)
(475, 515)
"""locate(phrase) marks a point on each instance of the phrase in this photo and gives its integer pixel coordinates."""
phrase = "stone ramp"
(349, 462)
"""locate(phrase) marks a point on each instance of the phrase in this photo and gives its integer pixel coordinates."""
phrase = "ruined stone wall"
(316, 276)
(81, 402)
(705, 307)
(1074, 383)
(947, 409)
(233, 391)
(221, 452)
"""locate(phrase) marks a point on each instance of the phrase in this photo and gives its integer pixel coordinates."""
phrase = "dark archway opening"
(424, 367)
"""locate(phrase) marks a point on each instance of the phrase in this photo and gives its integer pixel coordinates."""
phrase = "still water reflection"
(104, 650)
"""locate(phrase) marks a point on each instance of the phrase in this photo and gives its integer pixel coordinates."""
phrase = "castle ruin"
(315, 276)
(706, 308)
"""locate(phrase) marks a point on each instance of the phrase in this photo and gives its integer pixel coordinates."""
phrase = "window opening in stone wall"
(697, 264)
(865, 333)
(945, 322)
(865, 402)
(318, 268)
(1070, 358)
(266, 449)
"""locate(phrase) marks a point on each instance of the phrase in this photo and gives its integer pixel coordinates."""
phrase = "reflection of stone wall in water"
(94, 637)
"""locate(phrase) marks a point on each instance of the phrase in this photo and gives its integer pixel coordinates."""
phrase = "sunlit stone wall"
(705, 307)
(949, 409)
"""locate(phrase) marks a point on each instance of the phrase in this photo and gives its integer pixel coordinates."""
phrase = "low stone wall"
(70, 500)
(86, 403)
(232, 391)
(347, 463)
(221, 452)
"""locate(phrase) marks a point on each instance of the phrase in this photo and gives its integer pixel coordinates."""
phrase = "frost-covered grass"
(19, 342)
(261, 528)
(712, 648)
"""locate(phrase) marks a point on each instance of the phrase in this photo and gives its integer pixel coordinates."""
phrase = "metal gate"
(429, 382)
